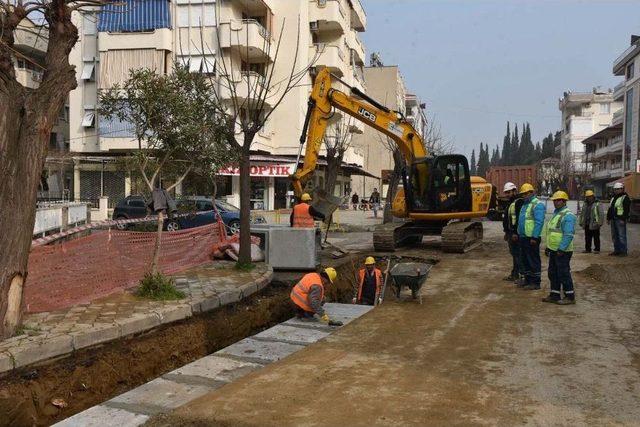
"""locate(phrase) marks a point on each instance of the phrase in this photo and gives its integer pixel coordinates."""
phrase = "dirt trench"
(91, 376)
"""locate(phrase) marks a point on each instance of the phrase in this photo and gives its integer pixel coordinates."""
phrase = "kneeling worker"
(369, 284)
(303, 214)
(308, 295)
(559, 236)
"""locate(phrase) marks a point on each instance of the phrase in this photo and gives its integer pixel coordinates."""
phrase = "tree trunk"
(394, 181)
(334, 161)
(156, 249)
(244, 257)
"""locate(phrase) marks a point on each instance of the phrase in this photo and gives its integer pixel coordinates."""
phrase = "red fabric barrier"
(91, 267)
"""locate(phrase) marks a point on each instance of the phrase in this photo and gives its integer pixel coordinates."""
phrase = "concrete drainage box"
(288, 248)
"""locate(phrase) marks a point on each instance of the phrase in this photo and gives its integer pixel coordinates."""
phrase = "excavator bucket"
(325, 203)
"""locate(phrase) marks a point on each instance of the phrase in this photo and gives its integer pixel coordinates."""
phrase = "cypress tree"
(472, 166)
(515, 147)
(506, 147)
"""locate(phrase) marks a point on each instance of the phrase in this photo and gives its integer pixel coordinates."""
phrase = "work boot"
(510, 278)
(531, 288)
(566, 301)
(520, 282)
(551, 299)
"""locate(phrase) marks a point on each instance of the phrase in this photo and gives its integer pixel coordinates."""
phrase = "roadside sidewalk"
(52, 334)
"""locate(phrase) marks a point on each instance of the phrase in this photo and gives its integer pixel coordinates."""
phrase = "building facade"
(237, 38)
(627, 65)
(583, 114)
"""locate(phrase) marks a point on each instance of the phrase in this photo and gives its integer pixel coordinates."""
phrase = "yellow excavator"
(438, 195)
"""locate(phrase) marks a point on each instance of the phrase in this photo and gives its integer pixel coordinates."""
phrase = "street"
(478, 351)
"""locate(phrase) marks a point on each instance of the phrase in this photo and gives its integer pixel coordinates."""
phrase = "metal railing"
(261, 29)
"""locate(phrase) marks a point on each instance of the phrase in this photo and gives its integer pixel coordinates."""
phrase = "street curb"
(99, 334)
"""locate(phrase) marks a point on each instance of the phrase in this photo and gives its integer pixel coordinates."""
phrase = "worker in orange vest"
(369, 284)
(303, 214)
(308, 295)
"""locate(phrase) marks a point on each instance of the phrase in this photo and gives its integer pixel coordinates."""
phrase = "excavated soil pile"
(91, 376)
(618, 273)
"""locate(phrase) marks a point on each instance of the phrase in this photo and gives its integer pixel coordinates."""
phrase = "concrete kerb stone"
(138, 323)
(173, 313)
(42, 349)
(97, 334)
(209, 303)
(230, 296)
(6, 361)
(96, 416)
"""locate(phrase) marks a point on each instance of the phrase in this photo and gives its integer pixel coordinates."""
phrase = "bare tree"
(337, 141)
(26, 119)
(248, 96)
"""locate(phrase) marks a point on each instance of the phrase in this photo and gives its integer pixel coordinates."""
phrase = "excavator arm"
(321, 102)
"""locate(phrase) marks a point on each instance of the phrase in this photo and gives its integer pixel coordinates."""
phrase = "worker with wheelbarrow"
(369, 289)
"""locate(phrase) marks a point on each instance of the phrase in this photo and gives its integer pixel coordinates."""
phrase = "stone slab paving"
(211, 372)
(52, 334)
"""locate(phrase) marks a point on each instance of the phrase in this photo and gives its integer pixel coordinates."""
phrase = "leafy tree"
(176, 122)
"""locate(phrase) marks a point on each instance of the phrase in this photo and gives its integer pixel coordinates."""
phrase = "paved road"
(477, 352)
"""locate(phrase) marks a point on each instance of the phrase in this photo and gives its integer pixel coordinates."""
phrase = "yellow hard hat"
(588, 193)
(305, 197)
(331, 273)
(369, 261)
(560, 195)
(526, 187)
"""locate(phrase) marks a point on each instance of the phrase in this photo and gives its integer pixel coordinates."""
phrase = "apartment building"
(30, 48)
(234, 37)
(583, 114)
(386, 85)
(627, 93)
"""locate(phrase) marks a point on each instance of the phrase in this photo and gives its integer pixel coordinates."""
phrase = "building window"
(89, 118)
(182, 15)
(88, 71)
(630, 71)
(627, 128)
(605, 108)
(196, 13)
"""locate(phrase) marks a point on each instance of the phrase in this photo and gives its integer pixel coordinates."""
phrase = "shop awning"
(134, 16)
(351, 168)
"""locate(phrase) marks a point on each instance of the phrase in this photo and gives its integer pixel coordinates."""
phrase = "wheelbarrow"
(411, 275)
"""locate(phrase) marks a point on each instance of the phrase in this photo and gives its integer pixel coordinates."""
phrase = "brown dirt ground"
(477, 352)
(92, 376)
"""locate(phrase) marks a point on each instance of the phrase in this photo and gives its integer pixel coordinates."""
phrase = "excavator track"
(460, 237)
(384, 237)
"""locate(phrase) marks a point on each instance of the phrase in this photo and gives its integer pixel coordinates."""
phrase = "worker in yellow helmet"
(559, 233)
(308, 295)
(591, 219)
(369, 287)
(303, 213)
(530, 222)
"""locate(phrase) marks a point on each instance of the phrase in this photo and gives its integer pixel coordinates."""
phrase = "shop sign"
(264, 169)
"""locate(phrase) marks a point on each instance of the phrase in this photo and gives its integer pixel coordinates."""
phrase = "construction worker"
(530, 223)
(308, 295)
(369, 284)
(559, 233)
(590, 220)
(510, 228)
(303, 214)
(617, 217)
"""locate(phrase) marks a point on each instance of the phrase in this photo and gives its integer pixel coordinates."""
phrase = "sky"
(478, 63)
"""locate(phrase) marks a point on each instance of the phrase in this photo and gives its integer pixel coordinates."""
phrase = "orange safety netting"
(81, 270)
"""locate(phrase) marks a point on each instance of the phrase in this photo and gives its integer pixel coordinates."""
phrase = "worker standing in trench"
(308, 295)
(559, 233)
(369, 289)
(530, 223)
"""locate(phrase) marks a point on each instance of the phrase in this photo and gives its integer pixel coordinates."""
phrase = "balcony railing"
(328, 55)
(249, 35)
(618, 117)
(623, 56)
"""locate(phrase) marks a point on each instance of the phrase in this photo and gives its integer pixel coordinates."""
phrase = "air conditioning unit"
(36, 77)
(313, 26)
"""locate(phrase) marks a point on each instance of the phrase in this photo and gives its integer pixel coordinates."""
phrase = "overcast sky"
(479, 63)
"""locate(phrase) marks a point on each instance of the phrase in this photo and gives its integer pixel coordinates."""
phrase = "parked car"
(199, 211)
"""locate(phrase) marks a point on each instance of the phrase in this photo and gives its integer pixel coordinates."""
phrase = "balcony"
(621, 61)
(357, 48)
(159, 39)
(32, 41)
(358, 17)
(248, 37)
(614, 149)
(618, 117)
(329, 16)
(619, 90)
(246, 86)
(330, 56)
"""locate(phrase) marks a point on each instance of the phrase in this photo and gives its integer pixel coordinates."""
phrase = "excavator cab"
(448, 188)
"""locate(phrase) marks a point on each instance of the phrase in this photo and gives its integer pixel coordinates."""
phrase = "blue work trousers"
(619, 235)
(560, 274)
(531, 263)
(514, 250)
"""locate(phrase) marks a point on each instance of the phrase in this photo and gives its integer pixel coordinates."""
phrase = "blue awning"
(134, 16)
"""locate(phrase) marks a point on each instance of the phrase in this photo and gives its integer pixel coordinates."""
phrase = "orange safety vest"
(300, 292)
(301, 216)
(378, 275)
